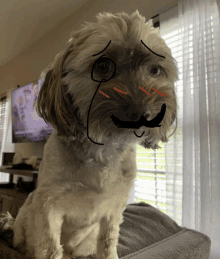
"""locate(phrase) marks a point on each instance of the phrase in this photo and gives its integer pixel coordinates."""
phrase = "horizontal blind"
(2, 118)
(3, 176)
(150, 184)
(151, 180)
(172, 33)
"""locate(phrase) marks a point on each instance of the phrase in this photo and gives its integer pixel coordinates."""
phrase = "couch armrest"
(187, 243)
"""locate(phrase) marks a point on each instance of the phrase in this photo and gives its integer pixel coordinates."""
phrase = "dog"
(112, 87)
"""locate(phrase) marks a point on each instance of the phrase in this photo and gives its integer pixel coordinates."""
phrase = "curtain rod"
(154, 16)
(2, 98)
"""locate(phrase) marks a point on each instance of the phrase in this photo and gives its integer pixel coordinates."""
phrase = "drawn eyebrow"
(103, 49)
(152, 50)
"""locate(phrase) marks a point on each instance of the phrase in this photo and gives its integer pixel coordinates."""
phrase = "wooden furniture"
(12, 172)
(11, 200)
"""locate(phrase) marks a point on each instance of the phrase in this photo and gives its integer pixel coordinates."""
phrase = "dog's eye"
(104, 69)
(155, 71)
(103, 66)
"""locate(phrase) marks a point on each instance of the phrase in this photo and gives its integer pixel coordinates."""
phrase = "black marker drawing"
(152, 50)
(119, 123)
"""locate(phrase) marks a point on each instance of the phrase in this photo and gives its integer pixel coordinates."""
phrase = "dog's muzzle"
(142, 121)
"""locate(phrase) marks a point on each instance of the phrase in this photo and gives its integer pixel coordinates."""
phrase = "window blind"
(3, 177)
(152, 184)
(2, 118)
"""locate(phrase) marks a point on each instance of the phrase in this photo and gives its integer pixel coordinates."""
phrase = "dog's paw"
(6, 222)
(115, 256)
(109, 255)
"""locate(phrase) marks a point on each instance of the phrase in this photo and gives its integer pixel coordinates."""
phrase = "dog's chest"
(89, 204)
(87, 194)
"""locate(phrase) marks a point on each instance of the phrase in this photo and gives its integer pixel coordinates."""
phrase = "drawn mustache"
(142, 121)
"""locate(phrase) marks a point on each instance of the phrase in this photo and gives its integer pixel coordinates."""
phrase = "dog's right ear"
(54, 103)
(51, 104)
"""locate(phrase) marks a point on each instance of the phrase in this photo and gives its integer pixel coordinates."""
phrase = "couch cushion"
(145, 233)
(143, 226)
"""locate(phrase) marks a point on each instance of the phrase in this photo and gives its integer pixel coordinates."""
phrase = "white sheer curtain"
(192, 157)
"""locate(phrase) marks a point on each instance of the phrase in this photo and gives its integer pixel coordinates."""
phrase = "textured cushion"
(145, 233)
(148, 233)
(143, 226)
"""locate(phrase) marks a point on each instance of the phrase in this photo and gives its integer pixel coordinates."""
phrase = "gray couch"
(146, 233)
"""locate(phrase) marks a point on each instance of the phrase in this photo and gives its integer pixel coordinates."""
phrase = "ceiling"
(22, 22)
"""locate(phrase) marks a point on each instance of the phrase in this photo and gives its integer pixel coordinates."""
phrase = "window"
(152, 184)
(3, 177)
(2, 118)
(159, 173)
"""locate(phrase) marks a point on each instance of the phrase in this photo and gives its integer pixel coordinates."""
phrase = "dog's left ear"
(54, 104)
(150, 25)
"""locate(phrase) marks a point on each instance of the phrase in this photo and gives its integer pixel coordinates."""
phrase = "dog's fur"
(84, 180)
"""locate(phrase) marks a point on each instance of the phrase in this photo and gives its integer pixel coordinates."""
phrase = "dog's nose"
(134, 116)
(131, 112)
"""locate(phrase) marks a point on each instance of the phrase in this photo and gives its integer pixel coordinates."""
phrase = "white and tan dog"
(111, 87)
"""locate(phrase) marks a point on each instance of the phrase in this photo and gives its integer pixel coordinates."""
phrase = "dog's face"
(111, 83)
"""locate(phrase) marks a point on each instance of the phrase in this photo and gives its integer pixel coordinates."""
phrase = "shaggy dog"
(112, 87)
